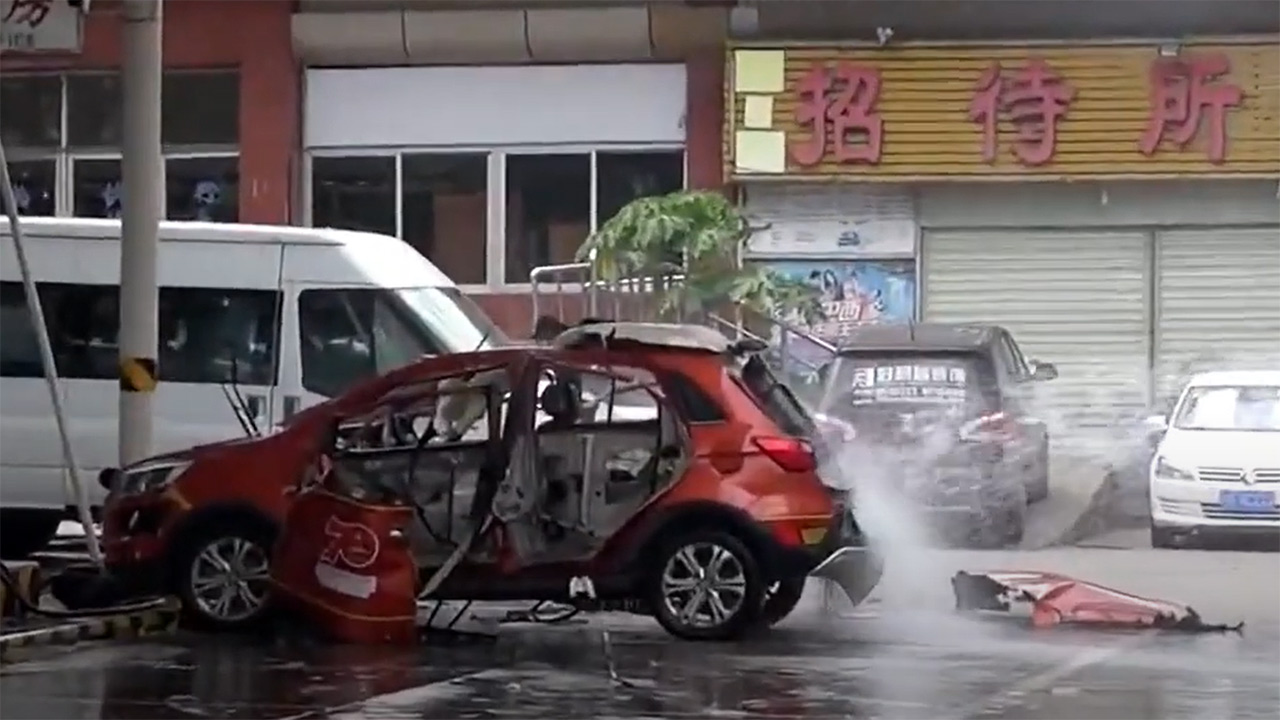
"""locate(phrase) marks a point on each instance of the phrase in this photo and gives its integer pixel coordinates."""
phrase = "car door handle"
(291, 405)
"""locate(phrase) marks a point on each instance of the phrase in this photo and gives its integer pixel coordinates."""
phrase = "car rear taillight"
(997, 427)
(790, 454)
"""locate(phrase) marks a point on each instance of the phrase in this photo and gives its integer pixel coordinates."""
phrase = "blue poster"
(853, 292)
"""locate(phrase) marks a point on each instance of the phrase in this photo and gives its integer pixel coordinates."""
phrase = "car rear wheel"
(1001, 528)
(781, 599)
(223, 576)
(706, 585)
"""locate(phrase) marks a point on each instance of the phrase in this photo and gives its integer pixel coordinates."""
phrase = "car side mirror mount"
(1043, 370)
(1154, 427)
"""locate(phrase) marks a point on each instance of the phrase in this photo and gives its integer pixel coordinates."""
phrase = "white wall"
(494, 106)
(1153, 203)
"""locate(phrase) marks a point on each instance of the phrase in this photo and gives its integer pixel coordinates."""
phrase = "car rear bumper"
(857, 570)
(843, 556)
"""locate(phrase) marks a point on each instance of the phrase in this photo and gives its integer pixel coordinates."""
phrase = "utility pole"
(142, 172)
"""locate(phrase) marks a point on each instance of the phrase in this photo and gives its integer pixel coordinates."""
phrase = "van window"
(210, 335)
(19, 349)
(203, 333)
(351, 334)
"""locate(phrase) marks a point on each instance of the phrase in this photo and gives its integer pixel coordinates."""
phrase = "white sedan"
(1216, 469)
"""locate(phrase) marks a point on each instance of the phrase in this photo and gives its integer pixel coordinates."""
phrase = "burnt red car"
(653, 467)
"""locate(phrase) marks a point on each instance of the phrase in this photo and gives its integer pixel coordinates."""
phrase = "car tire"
(673, 584)
(244, 547)
(1039, 489)
(1163, 538)
(781, 600)
(1002, 528)
(23, 532)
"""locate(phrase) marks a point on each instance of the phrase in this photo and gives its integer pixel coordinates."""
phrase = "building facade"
(496, 140)
(1114, 204)
(230, 109)
(492, 139)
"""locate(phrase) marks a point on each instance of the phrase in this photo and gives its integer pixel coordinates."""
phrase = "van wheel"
(781, 599)
(1163, 538)
(23, 532)
(222, 574)
(706, 585)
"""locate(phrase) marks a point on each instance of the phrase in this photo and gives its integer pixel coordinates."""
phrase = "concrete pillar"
(141, 210)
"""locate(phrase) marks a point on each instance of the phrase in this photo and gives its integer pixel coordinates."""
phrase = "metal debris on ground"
(1054, 599)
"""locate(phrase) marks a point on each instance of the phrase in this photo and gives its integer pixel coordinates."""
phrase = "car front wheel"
(706, 586)
(223, 577)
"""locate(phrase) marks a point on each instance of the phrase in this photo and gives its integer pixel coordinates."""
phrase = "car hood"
(206, 450)
(1222, 448)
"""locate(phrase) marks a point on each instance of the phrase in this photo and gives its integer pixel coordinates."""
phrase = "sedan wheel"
(228, 581)
(707, 588)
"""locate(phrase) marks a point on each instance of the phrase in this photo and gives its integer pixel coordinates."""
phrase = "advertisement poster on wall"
(853, 292)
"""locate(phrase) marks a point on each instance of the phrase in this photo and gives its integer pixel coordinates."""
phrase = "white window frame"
(495, 192)
(65, 157)
(71, 157)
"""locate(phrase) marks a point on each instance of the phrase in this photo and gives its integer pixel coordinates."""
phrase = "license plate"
(1247, 500)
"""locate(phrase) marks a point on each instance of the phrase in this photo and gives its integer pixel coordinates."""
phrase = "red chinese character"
(1034, 99)
(1182, 89)
(856, 127)
(31, 12)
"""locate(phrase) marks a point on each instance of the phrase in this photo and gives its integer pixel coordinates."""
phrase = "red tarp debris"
(1060, 600)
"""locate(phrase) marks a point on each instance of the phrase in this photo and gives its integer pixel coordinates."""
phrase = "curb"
(162, 620)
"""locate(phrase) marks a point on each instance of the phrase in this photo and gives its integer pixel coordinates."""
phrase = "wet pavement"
(903, 656)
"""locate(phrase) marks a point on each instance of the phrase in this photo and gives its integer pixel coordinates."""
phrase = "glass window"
(34, 185)
(625, 176)
(205, 188)
(354, 193)
(446, 211)
(350, 335)
(20, 350)
(96, 188)
(200, 108)
(32, 107)
(212, 335)
(94, 102)
(548, 210)
(84, 321)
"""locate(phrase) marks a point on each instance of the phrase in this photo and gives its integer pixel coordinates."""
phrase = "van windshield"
(352, 334)
(454, 320)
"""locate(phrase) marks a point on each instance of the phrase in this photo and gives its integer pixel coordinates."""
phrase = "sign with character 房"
(1029, 111)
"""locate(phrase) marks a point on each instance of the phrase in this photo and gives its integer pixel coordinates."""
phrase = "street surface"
(902, 655)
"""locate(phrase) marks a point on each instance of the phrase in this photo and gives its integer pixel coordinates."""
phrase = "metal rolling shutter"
(1076, 298)
(1218, 302)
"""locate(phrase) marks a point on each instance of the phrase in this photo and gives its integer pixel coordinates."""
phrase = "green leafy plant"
(701, 235)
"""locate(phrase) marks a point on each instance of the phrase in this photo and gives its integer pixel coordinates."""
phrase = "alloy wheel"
(703, 585)
(230, 579)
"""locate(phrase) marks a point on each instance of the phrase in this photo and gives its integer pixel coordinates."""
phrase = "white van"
(289, 315)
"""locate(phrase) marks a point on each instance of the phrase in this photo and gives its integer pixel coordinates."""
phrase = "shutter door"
(1218, 302)
(1076, 299)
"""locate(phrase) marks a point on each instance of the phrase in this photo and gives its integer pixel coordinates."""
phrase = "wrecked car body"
(627, 466)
